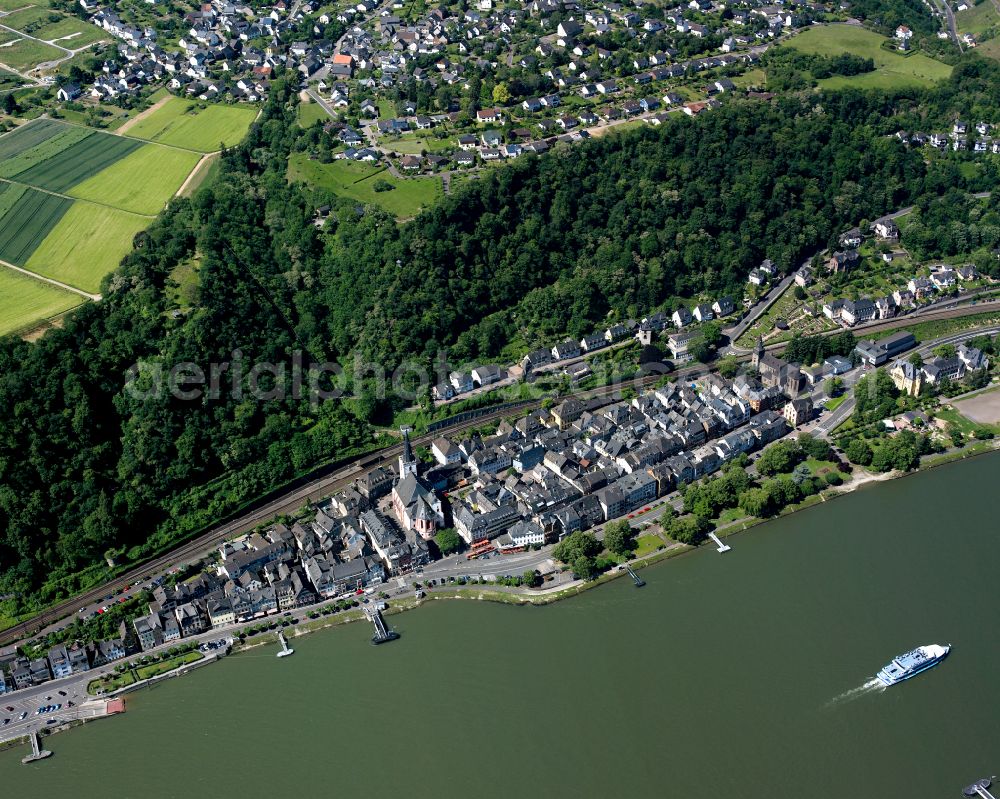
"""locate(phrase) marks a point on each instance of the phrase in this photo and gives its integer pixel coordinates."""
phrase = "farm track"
(50, 281)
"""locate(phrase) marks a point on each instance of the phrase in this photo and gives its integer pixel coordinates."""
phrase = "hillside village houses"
(357, 53)
(461, 382)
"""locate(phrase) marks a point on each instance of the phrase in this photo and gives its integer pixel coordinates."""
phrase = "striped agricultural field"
(28, 222)
(9, 195)
(63, 139)
(28, 136)
(77, 162)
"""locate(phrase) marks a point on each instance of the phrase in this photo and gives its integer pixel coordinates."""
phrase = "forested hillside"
(540, 247)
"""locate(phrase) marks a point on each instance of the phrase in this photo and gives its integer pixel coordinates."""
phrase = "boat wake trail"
(870, 687)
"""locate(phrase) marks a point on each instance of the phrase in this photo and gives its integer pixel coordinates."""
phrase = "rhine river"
(736, 675)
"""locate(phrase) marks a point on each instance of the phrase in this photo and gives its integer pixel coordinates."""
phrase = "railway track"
(342, 475)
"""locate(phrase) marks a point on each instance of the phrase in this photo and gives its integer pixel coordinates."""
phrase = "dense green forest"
(543, 246)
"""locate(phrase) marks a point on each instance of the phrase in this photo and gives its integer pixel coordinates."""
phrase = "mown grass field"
(357, 182)
(892, 70)
(165, 167)
(27, 222)
(183, 124)
(310, 113)
(88, 242)
(78, 162)
(24, 300)
(24, 54)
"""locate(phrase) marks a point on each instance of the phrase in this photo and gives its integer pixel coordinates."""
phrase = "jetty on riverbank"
(37, 753)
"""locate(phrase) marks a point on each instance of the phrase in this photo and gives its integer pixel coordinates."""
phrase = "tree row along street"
(328, 480)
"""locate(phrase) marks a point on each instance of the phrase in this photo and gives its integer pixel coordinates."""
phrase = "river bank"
(749, 668)
(542, 597)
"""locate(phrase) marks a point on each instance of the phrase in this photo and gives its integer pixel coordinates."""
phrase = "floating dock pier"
(286, 650)
(37, 753)
(639, 582)
(382, 632)
(721, 547)
(979, 788)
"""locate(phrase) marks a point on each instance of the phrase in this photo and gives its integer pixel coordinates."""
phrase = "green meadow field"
(182, 123)
(117, 185)
(51, 25)
(88, 242)
(357, 181)
(892, 70)
(24, 301)
(24, 54)
(72, 198)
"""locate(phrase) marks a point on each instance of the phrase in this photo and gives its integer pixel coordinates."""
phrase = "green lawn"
(891, 69)
(24, 54)
(24, 301)
(310, 113)
(357, 181)
(142, 182)
(86, 244)
(184, 123)
(835, 402)
(647, 544)
(153, 669)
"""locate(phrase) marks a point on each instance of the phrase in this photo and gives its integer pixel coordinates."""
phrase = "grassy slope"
(88, 243)
(978, 19)
(142, 182)
(891, 69)
(202, 130)
(357, 182)
(24, 300)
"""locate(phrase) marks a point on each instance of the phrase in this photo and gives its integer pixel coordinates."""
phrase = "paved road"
(328, 483)
(759, 309)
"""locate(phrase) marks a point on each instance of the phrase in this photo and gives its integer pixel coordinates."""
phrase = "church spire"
(407, 460)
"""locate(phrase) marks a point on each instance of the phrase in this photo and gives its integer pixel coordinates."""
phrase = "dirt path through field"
(64, 286)
(148, 112)
(204, 163)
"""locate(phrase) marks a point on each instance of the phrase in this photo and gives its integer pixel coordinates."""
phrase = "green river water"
(736, 675)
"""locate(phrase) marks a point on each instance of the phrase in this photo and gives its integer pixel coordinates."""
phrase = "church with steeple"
(416, 505)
